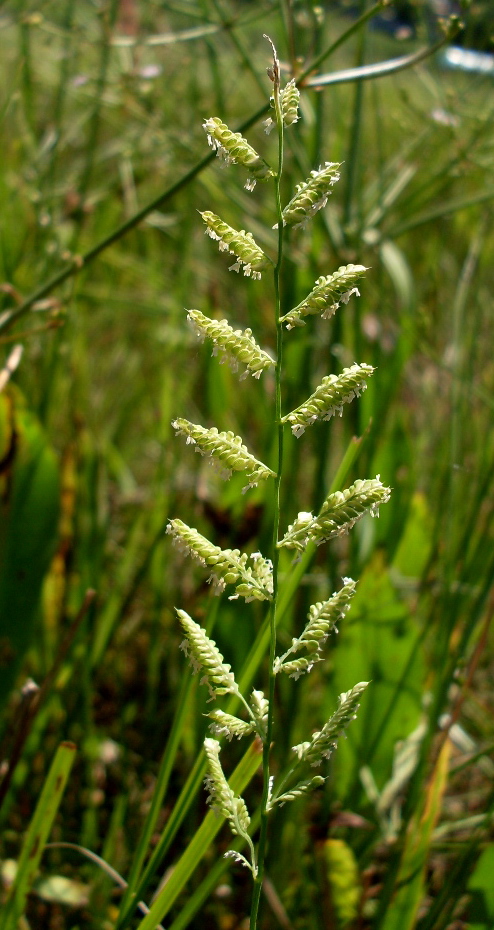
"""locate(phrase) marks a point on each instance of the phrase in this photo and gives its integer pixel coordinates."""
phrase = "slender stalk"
(263, 836)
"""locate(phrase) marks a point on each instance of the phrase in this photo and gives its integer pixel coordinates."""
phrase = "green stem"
(263, 836)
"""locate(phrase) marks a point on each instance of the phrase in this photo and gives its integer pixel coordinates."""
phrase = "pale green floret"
(237, 242)
(225, 448)
(323, 742)
(328, 399)
(327, 294)
(203, 653)
(236, 345)
(322, 618)
(339, 513)
(311, 196)
(228, 566)
(289, 100)
(236, 151)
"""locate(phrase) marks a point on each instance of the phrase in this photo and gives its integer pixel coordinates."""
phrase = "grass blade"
(37, 834)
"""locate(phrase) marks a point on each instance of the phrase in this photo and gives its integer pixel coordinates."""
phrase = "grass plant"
(102, 174)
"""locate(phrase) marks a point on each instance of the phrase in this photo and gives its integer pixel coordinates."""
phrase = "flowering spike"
(260, 708)
(221, 796)
(329, 397)
(203, 653)
(311, 195)
(326, 295)
(289, 100)
(229, 566)
(225, 448)
(236, 151)
(298, 791)
(323, 742)
(227, 725)
(322, 618)
(338, 514)
(239, 243)
(237, 345)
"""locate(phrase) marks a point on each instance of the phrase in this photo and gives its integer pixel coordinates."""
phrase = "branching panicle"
(255, 577)
(236, 345)
(329, 398)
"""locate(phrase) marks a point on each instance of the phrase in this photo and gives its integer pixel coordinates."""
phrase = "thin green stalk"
(263, 837)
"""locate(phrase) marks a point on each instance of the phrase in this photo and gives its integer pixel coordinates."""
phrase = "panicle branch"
(303, 787)
(329, 397)
(236, 151)
(326, 295)
(311, 195)
(221, 796)
(227, 725)
(289, 101)
(225, 448)
(239, 243)
(323, 618)
(229, 566)
(323, 742)
(338, 514)
(237, 345)
(203, 653)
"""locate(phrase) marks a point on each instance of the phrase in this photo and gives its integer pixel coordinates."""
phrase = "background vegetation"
(102, 105)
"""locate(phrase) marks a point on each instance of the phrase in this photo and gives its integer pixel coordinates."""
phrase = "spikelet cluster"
(242, 244)
(227, 725)
(303, 787)
(236, 345)
(220, 795)
(236, 151)
(289, 101)
(322, 619)
(311, 196)
(323, 742)
(326, 295)
(260, 709)
(225, 448)
(338, 514)
(329, 397)
(204, 654)
(229, 566)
